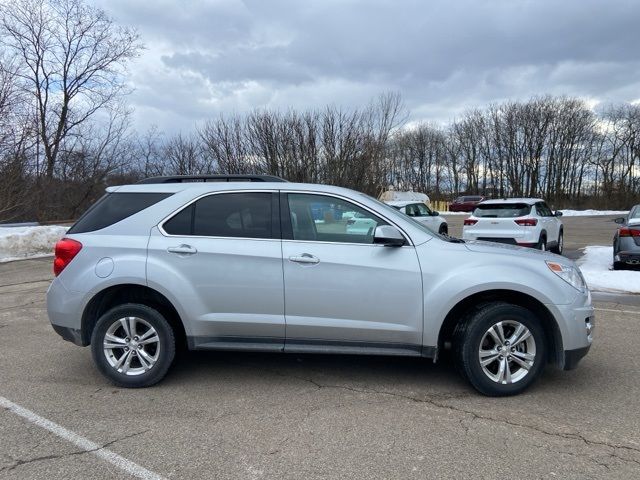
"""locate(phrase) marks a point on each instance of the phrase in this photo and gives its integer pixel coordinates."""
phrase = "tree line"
(66, 133)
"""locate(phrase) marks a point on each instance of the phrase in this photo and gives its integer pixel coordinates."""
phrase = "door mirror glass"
(388, 235)
(619, 220)
(435, 213)
(558, 213)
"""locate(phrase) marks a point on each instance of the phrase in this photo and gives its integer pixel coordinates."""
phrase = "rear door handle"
(304, 258)
(183, 249)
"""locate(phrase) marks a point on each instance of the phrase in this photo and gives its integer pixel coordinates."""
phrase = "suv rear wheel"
(560, 246)
(133, 345)
(500, 349)
(542, 243)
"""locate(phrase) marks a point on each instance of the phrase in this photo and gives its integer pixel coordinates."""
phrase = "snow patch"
(590, 213)
(28, 242)
(596, 267)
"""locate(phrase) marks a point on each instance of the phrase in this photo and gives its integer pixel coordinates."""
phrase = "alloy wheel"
(507, 352)
(131, 346)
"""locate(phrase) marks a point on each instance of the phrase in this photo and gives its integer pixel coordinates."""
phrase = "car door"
(220, 257)
(549, 222)
(554, 223)
(342, 291)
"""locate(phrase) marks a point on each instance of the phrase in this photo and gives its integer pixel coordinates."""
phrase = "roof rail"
(213, 178)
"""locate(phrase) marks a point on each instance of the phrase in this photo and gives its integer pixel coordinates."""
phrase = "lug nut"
(126, 349)
(500, 357)
(513, 349)
(135, 338)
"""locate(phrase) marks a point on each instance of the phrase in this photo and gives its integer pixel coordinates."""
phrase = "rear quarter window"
(114, 207)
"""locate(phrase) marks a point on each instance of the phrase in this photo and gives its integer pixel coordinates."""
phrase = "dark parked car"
(465, 204)
(626, 241)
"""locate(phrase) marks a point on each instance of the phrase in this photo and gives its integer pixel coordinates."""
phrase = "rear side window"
(503, 210)
(244, 215)
(114, 207)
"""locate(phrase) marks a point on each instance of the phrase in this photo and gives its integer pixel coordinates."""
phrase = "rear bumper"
(70, 334)
(632, 258)
(573, 357)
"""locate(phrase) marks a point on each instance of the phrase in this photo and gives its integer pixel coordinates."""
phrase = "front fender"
(452, 274)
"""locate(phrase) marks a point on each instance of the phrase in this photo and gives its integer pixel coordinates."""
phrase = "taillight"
(629, 232)
(470, 221)
(65, 250)
(527, 222)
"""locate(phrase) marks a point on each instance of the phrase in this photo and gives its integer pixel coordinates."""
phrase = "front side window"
(418, 210)
(243, 215)
(329, 219)
(543, 210)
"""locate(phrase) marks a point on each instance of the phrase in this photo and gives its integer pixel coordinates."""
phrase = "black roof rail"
(213, 178)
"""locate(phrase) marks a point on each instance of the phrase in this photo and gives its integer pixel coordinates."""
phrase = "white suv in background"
(423, 214)
(526, 222)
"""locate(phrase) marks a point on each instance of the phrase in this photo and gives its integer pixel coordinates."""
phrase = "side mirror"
(619, 220)
(389, 236)
(558, 213)
(434, 213)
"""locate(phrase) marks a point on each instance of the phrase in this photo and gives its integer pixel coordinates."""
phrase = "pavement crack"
(18, 462)
(437, 401)
(24, 283)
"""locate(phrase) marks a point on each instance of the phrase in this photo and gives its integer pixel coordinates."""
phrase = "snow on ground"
(596, 266)
(587, 213)
(565, 213)
(28, 242)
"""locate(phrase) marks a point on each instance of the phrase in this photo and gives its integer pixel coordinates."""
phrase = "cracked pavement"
(239, 415)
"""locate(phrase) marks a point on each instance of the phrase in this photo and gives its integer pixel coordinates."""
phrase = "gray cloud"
(206, 58)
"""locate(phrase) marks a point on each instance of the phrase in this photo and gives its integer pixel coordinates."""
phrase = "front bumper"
(572, 357)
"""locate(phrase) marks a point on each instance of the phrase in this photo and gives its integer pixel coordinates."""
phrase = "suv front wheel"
(133, 345)
(500, 348)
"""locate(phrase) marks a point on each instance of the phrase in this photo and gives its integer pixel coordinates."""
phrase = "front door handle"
(304, 258)
(183, 249)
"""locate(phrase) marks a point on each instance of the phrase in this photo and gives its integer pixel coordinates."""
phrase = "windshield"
(502, 210)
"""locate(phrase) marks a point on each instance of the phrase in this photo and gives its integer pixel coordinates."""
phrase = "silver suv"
(276, 267)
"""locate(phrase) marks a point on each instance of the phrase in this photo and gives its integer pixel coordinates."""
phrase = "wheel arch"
(115, 295)
(549, 324)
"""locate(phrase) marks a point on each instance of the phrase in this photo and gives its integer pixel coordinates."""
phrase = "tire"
(542, 243)
(618, 265)
(444, 230)
(560, 246)
(133, 365)
(472, 336)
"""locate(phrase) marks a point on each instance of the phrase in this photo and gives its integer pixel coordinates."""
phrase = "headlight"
(571, 275)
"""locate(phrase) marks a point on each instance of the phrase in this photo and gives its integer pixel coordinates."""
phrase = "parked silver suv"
(276, 267)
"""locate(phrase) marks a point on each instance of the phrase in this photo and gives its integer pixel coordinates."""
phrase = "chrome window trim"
(160, 224)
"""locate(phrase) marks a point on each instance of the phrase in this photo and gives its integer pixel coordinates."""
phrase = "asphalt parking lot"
(238, 415)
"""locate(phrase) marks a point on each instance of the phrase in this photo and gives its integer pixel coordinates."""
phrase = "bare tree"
(72, 59)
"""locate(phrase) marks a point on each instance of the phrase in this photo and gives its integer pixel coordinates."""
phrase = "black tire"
(467, 342)
(166, 346)
(618, 265)
(560, 245)
(542, 243)
(444, 230)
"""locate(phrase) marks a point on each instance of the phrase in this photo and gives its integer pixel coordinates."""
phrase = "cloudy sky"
(204, 58)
